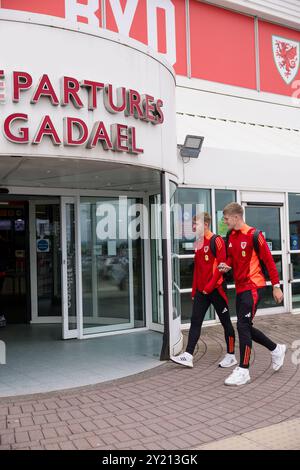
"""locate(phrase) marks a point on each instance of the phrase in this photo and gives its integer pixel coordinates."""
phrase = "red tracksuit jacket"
(206, 275)
(242, 257)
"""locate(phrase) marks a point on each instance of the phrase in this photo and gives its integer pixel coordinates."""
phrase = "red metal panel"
(45, 7)
(180, 18)
(222, 45)
(274, 78)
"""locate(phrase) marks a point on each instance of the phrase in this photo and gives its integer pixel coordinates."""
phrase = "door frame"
(33, 260)
(289, 253)
(159, 267)
(68, 333)
(54, 195)
(118, 327)
(265, 199)
(176, 337)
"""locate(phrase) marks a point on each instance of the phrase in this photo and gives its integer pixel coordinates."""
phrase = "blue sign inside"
(43, 245)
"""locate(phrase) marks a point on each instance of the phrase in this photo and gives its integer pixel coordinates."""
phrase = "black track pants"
(201, 304)
(246, 306)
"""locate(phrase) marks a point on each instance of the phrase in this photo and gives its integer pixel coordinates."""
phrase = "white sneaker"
(185, 359)
(278, 356)
(239, 376)
(228, 361)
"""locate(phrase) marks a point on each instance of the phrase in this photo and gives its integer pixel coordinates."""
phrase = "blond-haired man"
(244, 257)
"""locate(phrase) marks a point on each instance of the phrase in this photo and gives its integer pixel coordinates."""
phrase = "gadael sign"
(87, 94)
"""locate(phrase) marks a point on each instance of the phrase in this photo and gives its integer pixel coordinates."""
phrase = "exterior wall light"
(191, 147)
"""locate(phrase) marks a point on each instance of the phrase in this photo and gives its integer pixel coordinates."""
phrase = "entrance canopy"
(68, 173)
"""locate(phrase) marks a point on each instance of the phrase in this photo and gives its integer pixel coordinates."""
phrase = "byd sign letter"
(124, 18)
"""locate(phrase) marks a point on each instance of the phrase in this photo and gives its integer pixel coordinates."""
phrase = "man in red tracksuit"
(207, 289)
(249, 283)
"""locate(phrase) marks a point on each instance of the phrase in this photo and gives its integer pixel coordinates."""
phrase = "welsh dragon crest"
(286, 56)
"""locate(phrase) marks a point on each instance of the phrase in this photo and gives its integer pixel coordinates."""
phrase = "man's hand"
(224, 268)
(204, 292)
(277, 295)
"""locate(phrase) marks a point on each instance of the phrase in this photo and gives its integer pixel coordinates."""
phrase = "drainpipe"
(165, 350)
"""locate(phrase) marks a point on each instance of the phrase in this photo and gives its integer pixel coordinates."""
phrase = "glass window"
(267, 300)
(296, 265)
(231, 294)
(278, 262)
(186, 273)
(176, 302)
(266, 219)
(187, 306)
(190, 202)
(294, 219)
(296, 295)
(222, 198)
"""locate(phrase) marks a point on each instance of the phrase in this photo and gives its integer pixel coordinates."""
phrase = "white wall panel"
(199, 97)
(236, 155)
(286, 12)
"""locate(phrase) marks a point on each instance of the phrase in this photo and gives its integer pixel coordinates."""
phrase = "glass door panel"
(48, 260)
(294, 252)
(45, 259)
(69, 268)
(111, 266)
(268, 219)
(14, 260)
(156, 261)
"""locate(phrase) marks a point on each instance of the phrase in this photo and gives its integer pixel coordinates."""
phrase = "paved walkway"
(283, 436)
(168, 407)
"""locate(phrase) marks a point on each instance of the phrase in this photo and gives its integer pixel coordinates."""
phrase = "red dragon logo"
(286, 56)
